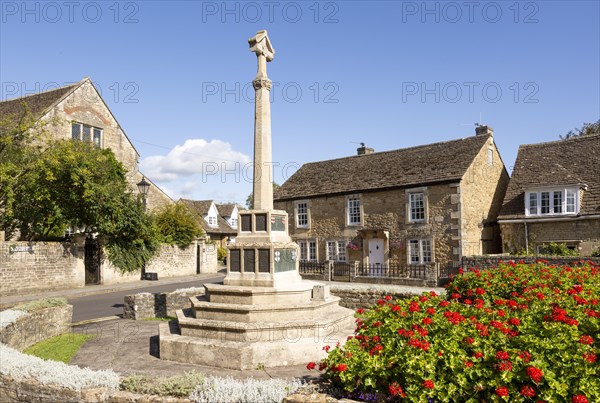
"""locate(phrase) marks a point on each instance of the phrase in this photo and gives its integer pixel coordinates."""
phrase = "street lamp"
(143, 187)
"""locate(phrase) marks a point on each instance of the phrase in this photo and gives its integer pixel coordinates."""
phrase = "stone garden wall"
(147, 305)
(36, 326)
(29, 268)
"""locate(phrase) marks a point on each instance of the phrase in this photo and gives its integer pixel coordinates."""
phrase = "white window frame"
(233, 221)
(335, 249)
(305, 215)
(423, 248)
(565, 195)
(212, 221)
(352, 203)
(308, 250)
(411, 198)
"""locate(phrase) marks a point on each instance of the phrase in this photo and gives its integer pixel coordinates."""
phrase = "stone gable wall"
(85, 106)
(482, 192)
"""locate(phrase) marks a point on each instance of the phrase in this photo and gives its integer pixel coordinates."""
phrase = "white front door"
(376, 252)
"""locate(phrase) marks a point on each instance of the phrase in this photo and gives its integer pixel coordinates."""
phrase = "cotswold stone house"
(427, 204)
(554, 196)
(78, 112)
(219, 221)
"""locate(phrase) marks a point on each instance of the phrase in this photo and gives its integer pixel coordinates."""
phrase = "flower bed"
(516, 333)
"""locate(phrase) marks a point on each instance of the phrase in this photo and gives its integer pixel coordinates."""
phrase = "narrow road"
(110, 304)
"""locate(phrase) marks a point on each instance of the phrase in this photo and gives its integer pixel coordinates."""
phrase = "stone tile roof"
(564, 162)
(226, 209)
(199, 209)
(38, 104)
(414, 166)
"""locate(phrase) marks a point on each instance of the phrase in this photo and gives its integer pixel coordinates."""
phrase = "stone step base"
(298, 293)
(247, 355)
(291, 327)
(204, 309)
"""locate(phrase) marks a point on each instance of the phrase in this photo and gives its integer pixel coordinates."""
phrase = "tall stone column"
(262, 186)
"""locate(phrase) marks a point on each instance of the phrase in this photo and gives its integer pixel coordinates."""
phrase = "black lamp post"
(143, 187)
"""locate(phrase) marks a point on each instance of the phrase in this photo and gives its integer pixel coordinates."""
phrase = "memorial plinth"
(263, 314)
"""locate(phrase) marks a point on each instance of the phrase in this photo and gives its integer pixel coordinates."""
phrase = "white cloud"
(195, 156)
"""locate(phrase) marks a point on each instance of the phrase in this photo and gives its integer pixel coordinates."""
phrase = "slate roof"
(38, 104)
(199, 209)
(575, 161)
(407, 167)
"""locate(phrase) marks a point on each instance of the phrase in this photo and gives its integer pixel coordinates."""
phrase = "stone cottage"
(554, 196)
(420, 205)
(219, 221)
(78, 111)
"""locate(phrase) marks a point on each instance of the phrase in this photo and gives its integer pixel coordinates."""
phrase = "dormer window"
(233, 222)
(558, 201)
(212, 221)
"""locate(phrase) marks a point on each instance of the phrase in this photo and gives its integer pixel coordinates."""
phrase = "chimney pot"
(484, 130)
(364, 150)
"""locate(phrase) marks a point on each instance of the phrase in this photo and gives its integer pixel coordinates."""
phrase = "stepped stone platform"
(241, 327)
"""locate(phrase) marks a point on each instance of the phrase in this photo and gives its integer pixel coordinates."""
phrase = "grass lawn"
(59, 348)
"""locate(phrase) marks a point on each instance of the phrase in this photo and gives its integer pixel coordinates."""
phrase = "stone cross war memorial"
(263, 314)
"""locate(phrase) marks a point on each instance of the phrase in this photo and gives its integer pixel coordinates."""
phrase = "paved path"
(128, 346)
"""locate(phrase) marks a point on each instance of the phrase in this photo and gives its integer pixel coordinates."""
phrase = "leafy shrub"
(557, 249)
(214, 389)
(41, 304)
(177, 225)
(221, 253)
(179, 385)
(22, 366)
(513, 333)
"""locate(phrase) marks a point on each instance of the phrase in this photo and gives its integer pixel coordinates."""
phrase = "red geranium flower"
(535, 374)
(591, 357)
(310, 366)
(341, 367)
(428, 383)
(527, 391)
(579, 399)
(586, 339)
(502, 391)
(502, 355)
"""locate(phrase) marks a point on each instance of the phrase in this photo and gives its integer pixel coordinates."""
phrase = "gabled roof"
(200, 208)
(439, 162)
(226, 209)
(38, 104)
(575, 161)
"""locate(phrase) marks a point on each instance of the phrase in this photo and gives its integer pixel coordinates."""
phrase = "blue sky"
(392, 74)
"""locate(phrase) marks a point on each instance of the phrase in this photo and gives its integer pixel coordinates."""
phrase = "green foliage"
(512, 333)
(221, 253)
(132, 237)
(59, 348)
(177, 225)
(41, 304)
(588, 129)
(557, 249)
(250, 198)
(596, 252)
(179, 385)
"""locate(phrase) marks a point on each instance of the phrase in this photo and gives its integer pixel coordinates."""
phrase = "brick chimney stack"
(363, 150)
(483, 130)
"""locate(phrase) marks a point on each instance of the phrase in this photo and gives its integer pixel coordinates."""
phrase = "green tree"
(177, 225)
(250, 198)
(588, 129)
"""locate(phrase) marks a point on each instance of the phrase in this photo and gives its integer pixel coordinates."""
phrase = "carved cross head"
(261, 45)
